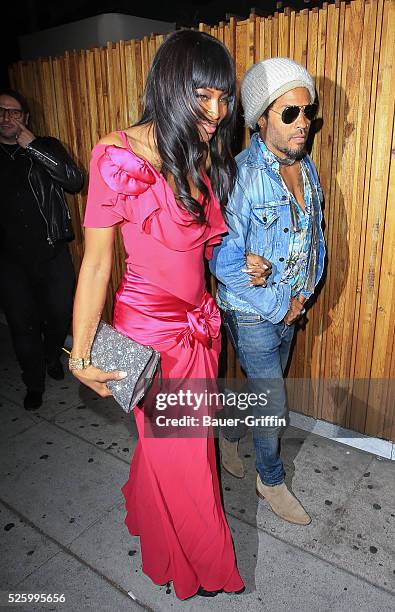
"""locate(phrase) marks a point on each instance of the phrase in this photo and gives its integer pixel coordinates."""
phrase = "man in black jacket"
(36, 271)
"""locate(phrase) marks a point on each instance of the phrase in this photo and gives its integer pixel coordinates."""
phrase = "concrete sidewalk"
(62, 515)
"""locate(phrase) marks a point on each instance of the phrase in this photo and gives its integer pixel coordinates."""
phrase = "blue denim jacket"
(259, 221)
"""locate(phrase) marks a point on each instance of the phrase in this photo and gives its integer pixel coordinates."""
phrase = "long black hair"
(186, 61)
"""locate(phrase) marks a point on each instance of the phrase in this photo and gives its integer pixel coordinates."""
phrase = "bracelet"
(77, 363)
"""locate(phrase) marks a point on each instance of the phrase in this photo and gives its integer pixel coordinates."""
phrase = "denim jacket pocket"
(247, 318)
(262, 229)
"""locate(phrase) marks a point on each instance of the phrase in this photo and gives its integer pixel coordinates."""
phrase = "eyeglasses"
(14, 113)
(290, 113)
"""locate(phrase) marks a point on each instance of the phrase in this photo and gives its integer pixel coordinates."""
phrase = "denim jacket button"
(281, 259)
(264, 219)
(286, 229)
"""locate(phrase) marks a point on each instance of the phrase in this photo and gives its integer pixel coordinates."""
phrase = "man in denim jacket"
(274, 213)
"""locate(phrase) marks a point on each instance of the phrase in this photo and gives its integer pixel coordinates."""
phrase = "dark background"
(26, 16)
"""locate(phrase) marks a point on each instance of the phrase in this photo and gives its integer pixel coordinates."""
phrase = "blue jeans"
(263, 351)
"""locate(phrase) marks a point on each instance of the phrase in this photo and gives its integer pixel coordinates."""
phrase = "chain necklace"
(12, 155)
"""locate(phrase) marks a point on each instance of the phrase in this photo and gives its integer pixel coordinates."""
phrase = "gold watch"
(79, 363)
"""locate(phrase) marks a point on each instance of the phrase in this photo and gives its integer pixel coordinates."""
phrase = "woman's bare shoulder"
(112, 139)
(142, 142)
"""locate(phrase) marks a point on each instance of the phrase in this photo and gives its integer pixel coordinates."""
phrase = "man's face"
(10, 113)
(286, 140)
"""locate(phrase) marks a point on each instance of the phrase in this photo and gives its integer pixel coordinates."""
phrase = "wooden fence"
(349, 49)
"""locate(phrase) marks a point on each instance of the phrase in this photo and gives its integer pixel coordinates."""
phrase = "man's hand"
(24, 136)
(295, 310)
(258, 269)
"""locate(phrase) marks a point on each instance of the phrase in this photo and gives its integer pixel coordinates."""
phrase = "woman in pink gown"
(172, 496)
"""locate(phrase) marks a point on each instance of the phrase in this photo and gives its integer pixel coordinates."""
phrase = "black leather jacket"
(52, 171)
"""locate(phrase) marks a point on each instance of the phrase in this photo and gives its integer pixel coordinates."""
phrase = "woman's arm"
(89, 302)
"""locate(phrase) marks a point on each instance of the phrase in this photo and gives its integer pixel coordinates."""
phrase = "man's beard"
(293, 154)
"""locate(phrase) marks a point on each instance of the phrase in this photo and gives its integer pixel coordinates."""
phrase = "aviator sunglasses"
(290, 113)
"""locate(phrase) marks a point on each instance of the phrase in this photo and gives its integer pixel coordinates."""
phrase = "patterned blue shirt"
(299, 243)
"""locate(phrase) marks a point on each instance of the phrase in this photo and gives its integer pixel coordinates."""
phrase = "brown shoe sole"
(279, 515)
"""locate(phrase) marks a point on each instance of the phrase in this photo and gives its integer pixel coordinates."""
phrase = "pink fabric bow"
(204, 323)
(124, 172)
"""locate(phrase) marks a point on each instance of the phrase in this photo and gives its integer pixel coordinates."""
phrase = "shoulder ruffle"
(124, 172)
(139, 194)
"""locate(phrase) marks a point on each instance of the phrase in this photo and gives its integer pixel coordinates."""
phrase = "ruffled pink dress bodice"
(162, 241)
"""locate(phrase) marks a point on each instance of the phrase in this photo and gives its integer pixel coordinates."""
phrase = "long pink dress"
(172, 496)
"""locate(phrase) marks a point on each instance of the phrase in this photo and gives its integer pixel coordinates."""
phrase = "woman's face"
(214, 104)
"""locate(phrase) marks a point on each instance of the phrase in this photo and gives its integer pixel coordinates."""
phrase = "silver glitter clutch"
(111, 350)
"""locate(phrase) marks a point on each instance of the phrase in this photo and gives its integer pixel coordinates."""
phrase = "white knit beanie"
(266, 81)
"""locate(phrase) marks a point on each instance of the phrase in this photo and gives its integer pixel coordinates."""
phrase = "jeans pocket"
(286, 329)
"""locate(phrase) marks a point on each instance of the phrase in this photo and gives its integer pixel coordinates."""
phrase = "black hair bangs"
(212, 66)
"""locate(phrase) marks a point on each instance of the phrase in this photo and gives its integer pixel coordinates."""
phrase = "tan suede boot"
(230, 458)
(283, 502)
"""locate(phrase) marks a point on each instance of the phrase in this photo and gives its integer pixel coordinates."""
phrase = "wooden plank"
(361, 65)
(204, 28)
(251, 42)
(380, 243)
(312, 42)
(214, 31)
(320, 80)
(327, 139)
(301, 30)
(315, 314)
(301, 363)
(114, 91)
(95, 94)
(274, 24)
(221, 32)
(292, 35)
(78, 146)
(83, 66)
(357, 418)
(145, 62)
(268, 37)
(307, 336)
(241, 45)
(283, 34)
(124, 110)
(131, 87)
(232, 37)
(227, 36)
(152, 46)
(333, 403)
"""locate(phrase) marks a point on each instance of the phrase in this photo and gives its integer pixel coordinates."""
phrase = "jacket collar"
(259, 155)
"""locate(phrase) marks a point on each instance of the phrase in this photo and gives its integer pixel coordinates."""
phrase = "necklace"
(12, 155)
